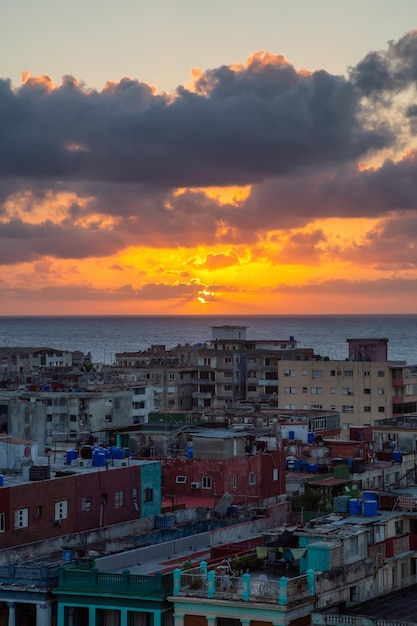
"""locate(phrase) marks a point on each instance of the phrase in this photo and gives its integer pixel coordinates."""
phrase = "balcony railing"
(92, 581)
(256, 587)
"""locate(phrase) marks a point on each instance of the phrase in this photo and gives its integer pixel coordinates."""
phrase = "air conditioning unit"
(120, 463)
(195, 485)
(84, 462)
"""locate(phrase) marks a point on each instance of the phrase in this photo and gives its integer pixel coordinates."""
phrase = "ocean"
(103, 336)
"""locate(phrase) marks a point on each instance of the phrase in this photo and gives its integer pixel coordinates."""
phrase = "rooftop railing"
(94, 581)
(223, 583)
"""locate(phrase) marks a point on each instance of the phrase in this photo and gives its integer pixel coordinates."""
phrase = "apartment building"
(226, 461)
(15, 361)
(59, 419)
(232, 368)
(361, 390)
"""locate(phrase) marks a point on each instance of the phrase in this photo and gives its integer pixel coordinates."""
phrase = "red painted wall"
(41, 496)
(221, 472)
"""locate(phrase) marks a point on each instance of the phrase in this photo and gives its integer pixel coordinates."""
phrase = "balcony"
(204, 395)
(267, 383)
(223, 583)
(92, 582)
(40, 576)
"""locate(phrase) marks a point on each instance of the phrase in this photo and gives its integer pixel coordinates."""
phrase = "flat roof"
(397, 606)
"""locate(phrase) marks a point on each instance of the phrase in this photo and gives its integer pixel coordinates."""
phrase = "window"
(381, 392)
(399, 527)
(354, 544)
(367, 373)
(135, 494)
(275, 473)
(291, 407)
(348, 373)
(181, 480)
(234, 481)
(304, 373)
(347, 391)
(230, 388)
(73, 418)
(252, 374)
(290, 390)
(333, 407)
(381, 374)
(207, 361)
(317, 390)
(86, 504)
(61, 510)
(367, 409)
(289, 372)
(171, 376)
(305, 390)
(206, 482)
(2, 522)
(252, 388)
(21, 518)
(38, 510)
(317, 373)
(332, 372)
(252, 478)
(367, 391)
(119, 499)
(317, 407)
(347, 408)
(228, 359)
(332, 389)
(148, 495)
(381, 409)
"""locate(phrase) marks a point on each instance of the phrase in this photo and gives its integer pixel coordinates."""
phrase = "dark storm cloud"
(390, 71)
(240, 126)
(123, 151)
(23, 242)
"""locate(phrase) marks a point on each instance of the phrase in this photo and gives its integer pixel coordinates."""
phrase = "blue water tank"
(1, 480)
(298, 466)
(355, 506)
(67, 555)
(397, 456)
(370, 507)
(310, 437)
(189, 452)
(70, 456)
(369, 495)
(313, 468)
(99, 459)
(117, 452)
(291, 435)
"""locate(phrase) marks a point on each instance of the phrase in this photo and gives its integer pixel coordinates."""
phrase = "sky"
(188, 158)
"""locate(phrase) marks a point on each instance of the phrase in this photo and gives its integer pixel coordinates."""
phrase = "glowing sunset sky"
(216, 158)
